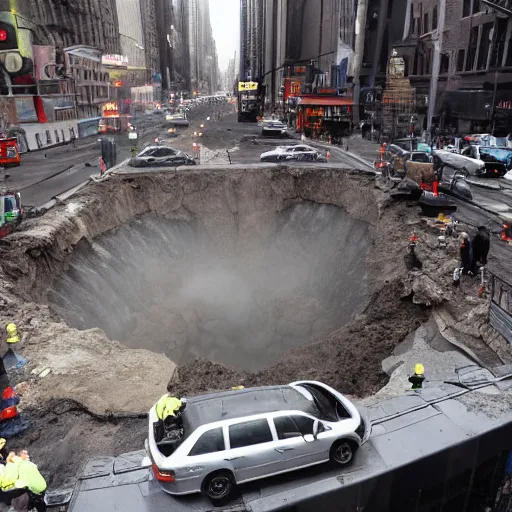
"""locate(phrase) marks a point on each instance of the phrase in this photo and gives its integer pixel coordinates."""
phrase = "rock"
(426, 291)
(45, 373)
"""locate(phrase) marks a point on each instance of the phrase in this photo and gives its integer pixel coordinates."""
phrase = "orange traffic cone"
(328, 156)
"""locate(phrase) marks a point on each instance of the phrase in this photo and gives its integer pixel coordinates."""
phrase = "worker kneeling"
(419, 376)
(168, 411)
(22, 484)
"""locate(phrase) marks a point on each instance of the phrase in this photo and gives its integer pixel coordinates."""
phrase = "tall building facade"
(131, 33)
(204, 74)
(75, 22)
(180, 30)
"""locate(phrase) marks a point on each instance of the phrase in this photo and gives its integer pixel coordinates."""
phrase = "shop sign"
(247, 86)
(505, 105)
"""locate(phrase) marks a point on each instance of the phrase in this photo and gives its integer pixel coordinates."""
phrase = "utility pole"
(362, 8)
(438, 48)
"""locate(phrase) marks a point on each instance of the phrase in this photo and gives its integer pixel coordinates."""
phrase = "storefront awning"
(326, 101)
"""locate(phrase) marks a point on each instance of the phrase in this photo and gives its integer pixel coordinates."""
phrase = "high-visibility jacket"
(10, 474)
(30, 477)
(167, 406)
(12, 333)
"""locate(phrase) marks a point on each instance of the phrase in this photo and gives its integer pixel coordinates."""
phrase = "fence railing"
(500, 314)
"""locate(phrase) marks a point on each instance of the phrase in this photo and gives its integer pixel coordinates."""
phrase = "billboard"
(114, 61)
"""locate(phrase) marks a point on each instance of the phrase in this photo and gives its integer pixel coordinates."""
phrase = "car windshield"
(420, 157)
(493, 155)
(147, 151)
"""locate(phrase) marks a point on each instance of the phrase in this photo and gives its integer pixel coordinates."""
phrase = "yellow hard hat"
(2, 442)
(419, 369)
(11, 327)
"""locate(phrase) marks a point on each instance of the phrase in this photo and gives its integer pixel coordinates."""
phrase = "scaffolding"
(398, 101)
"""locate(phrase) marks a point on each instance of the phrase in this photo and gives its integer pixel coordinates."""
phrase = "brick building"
(458, 56)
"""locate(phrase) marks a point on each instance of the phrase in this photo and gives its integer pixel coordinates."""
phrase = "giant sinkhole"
(189, 288)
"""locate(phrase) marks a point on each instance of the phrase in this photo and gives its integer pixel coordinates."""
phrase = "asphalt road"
(45, 174)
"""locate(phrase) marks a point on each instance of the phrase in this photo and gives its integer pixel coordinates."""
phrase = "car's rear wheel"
(343, 452)
(219, 486)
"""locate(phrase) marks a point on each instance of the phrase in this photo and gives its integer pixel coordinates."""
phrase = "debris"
(45, 372)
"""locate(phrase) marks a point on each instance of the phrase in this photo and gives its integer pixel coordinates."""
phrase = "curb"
(354, 156)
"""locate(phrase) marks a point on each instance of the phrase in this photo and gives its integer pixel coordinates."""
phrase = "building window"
(476, 6)
(425, 23)
(499, 42)
(485, 45)
(434, 18)
(466, 8)
(461, 54)
(445, 63)
(48, 137)
(473, 42)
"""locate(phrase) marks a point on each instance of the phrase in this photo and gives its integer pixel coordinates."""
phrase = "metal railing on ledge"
(500, 312)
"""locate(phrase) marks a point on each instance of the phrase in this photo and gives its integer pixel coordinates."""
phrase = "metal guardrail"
(500, 312)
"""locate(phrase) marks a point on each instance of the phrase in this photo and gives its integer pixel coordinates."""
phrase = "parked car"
(497, 161)
(274, 129)
(179, 119)
(298, 153)
(162, 156)
(239, 436)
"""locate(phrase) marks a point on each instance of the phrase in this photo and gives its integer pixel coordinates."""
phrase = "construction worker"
(22, 484)
(31, 479)
(466, 254)
(481, 244)
(168, 406)
(10, 495)
(168, 411)
(419, 376)
(11, 337)
(12, 333)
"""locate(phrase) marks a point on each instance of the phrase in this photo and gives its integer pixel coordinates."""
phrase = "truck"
(251, 98)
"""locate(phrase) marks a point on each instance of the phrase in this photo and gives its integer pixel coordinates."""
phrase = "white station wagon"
(237, 436)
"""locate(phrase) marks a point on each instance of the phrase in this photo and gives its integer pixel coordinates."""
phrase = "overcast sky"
(225, 17)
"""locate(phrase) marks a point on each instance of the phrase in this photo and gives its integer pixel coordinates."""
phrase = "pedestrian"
(419, 376)
(466, 254)
(481, 244)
